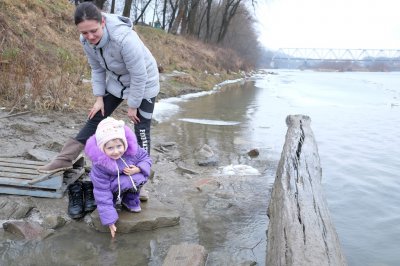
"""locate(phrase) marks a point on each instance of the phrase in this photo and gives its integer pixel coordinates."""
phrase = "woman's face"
(91, 30)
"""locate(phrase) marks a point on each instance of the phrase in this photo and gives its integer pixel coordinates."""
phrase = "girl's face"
(114, 149)
(91, 30)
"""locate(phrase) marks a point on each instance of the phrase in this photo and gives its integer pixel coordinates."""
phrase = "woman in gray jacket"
(122, 68)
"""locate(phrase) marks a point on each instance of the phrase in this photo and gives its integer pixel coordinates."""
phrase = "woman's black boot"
(75, 204)
(90, 203)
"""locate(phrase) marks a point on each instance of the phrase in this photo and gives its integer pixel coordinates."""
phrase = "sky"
(351, 24)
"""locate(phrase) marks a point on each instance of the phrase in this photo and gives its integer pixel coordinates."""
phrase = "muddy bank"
(39, 136)
(200, 205)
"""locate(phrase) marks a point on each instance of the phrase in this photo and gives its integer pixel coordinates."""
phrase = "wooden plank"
(17, 176)
(18, 170)
(54, 182)
(43, 177)
(20, 161)
(32, 192)
(19, 165)
(20, 177)
(13, 181)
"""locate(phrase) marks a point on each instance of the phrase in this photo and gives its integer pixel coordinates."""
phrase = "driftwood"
(300, 231)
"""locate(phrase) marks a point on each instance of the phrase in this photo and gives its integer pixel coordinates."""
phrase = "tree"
(142, 11)
(112, 6)
(231, 7)
(127, 8)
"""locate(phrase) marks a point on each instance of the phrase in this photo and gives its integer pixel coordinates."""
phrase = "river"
(354, 119)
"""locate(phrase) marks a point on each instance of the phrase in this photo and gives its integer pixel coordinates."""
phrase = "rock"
(10, 209)
(206, 184)
(41, 155)
(186, 170)
(253, 153)
(27, 230)
(185, 254)
(23, 128)
(53, 221)
(205, 156)
(154, 215)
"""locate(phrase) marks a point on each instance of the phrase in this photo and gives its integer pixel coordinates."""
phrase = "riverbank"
(179, 183)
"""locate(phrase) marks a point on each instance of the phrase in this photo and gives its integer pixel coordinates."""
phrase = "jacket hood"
(98, 157)
(114, 21)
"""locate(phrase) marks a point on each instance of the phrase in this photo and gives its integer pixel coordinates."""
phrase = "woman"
(122, 68)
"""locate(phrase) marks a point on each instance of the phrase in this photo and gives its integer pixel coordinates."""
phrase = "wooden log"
(300, 230)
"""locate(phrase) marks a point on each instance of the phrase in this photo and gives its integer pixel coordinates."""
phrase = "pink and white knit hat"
(109, 129)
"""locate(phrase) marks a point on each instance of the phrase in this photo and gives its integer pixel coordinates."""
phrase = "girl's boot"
(131, 202)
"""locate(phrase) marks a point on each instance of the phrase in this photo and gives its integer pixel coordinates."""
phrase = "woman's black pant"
(142, 129)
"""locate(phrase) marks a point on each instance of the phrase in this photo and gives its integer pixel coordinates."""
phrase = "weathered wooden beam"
(300, 231)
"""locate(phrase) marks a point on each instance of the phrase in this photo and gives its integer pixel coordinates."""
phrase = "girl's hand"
(132, 114)
(113, 230)
(131, 170)
(97, 106)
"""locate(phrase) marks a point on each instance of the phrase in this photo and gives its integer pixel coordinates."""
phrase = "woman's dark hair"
(87, 11)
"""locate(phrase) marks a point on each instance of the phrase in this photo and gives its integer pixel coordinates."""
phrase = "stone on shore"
(52, 221)
(41, 154)
(27, 230)
(10, 209)
(185, 254)
(205, 156)
(253, 153)
(154, 215)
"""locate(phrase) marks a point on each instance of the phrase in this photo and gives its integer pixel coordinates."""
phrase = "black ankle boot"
(75, 204)
(90, 203)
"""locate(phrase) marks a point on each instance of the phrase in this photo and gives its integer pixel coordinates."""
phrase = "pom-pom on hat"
(109, 129)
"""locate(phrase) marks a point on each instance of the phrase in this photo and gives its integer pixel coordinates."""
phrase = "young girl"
(120, 167)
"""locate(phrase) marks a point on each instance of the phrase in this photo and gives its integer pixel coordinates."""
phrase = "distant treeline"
(227, 23)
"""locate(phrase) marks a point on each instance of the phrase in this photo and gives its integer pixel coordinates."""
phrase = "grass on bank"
(42, 64)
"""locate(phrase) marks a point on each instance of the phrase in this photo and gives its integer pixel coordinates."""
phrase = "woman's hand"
(132, 114)
(113, 230)
(131, 170)
(97, 106)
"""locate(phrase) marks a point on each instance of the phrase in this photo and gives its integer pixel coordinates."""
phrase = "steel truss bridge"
(326, 54)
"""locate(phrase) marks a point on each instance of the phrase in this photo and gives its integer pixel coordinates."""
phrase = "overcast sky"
(329, 23)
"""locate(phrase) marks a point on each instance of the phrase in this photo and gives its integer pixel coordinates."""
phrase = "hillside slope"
(42, 64)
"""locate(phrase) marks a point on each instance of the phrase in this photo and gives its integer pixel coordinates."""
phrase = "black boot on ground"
(75, 204)
(90, 203)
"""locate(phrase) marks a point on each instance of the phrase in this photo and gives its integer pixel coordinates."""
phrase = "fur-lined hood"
(98, 157)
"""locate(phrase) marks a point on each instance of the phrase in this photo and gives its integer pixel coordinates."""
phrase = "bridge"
(388, 56)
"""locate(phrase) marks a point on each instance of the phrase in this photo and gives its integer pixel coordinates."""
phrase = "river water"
(355, 118)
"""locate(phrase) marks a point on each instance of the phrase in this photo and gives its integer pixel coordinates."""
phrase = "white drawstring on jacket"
(119, 183)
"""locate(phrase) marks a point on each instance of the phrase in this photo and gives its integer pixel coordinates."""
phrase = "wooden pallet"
(20, 177)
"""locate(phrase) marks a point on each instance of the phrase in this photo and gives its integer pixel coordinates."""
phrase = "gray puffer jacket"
(121, 64)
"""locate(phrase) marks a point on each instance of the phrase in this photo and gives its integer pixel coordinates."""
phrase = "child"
(120, 167)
